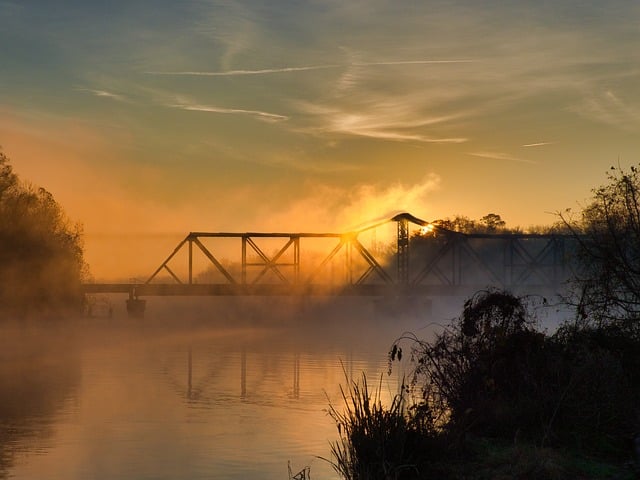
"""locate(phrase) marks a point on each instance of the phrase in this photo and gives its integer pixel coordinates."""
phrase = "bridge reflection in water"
(206, 373)
(431, 262)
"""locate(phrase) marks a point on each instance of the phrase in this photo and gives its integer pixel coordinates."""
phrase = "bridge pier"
(135, 305)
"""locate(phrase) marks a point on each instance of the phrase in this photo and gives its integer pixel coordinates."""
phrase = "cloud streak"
(231, 73)
(382, 134)
(104, 94)
(264, 116)
(411, 62)
(396, 120)
(267, 71)
(538, 144)
(500, 156)
(607, 107)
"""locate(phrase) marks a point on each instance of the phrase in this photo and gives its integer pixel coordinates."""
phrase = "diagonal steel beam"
(365, 275)
(175, 250)
(175, 277)
(270, 264)
(432, 266)
(465, 246)
(532, 264)
(343, 241)
(371, 261)
(213, 260)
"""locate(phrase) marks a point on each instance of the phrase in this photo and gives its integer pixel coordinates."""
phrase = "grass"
(375, 442)
(378, 442)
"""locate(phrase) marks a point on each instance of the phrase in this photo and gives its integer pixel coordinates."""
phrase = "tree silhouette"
(493, 222)
(41, 257)
(608, 230)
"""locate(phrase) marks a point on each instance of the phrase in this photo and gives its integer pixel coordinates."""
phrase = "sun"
(427, 229)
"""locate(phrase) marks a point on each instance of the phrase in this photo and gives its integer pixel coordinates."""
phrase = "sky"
(155, 118)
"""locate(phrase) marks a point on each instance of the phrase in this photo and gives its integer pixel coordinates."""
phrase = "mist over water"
(199, 388)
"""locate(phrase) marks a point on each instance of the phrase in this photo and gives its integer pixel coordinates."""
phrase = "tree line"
(41, 251)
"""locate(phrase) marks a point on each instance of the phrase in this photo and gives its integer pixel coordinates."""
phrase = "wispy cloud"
(356, 107)
(104, 94)
(538, 144)
(264, 116)
(607, 107)
(397, 120)
(266, 71)
(382, 134)
(500, 156)
(230, 73)
(412, 62)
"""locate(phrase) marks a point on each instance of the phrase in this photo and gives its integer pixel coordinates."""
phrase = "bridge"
(429, 261)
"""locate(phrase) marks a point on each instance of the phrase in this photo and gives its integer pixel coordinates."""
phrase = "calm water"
(114, 400)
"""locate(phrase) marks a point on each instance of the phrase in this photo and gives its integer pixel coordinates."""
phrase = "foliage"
(490, 223)
(41, 262)
(495, 397)
(379, 442)
(476, 369)
(492, 373)
(599, 408)
(607, 285)
(493, 222)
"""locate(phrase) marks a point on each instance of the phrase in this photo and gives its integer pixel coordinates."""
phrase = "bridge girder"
(442, 260)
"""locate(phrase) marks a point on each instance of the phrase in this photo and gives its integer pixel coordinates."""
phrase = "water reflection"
(243, 374)
(39, 377)
(136, 401)
(206, 379)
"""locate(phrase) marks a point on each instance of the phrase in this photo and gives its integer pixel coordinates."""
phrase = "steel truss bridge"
(432, 261)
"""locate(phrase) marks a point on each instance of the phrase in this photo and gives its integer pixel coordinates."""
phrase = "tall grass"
(378, 441)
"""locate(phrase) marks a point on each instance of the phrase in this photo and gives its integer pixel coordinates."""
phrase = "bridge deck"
(282, 290)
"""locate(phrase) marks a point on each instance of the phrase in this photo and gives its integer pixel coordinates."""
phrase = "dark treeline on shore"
(41, 257)
(492, 223)
(495, 396)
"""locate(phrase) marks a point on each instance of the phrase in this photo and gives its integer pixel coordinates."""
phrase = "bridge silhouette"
(431, 262)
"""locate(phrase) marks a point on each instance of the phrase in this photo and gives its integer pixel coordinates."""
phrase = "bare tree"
(607, 282)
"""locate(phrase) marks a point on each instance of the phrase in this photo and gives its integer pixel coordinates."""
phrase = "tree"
(493, 222)
(607, 282)
(490, 223)
(41, 257)
(459, 223)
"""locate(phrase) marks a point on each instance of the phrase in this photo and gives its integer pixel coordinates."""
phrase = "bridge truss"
(433, 261)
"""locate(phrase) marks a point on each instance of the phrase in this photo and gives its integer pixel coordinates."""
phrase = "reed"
(377, 441)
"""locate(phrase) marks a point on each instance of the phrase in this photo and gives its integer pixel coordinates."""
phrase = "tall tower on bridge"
(403, 251)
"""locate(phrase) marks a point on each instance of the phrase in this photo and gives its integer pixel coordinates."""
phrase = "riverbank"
(490, 459)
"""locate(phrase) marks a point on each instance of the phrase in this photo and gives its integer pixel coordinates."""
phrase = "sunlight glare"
(427, 229)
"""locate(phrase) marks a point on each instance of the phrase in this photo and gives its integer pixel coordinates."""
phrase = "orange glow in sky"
(312, 117)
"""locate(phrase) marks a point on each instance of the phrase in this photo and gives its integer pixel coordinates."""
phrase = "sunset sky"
(161, 117)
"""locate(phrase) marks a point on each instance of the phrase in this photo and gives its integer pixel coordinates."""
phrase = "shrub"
(492, 373)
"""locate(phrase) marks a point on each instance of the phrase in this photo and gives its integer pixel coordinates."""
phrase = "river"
(224, 394)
